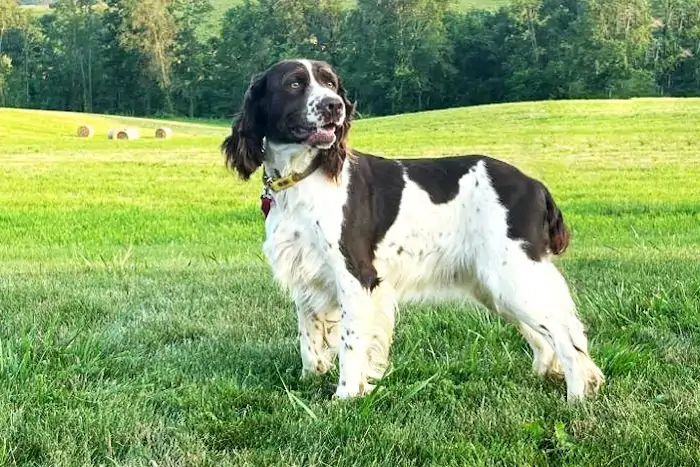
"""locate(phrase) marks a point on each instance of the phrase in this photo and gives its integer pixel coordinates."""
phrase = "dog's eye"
(295, 84)
(330, 84)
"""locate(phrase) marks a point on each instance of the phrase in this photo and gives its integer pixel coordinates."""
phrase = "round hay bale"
(128, 134)
(164, 133)
(111, 133)
(86, 131)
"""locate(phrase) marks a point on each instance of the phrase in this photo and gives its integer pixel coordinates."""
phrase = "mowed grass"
(140, 325)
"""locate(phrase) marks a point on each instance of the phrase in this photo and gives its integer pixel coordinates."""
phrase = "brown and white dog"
(351, 235)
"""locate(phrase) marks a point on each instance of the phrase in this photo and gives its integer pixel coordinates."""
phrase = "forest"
(176, 58)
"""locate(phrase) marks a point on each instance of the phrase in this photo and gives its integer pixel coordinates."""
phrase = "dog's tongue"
(321, 136)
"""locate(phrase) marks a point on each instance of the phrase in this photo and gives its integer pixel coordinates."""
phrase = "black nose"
(333, 106)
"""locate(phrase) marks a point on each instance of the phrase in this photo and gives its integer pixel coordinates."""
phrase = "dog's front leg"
(318, 336)
(355, 331)
(310, 342)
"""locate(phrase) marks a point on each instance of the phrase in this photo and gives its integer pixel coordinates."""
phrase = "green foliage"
(196, 58)
(141, 327)
(396, 55)
(5, 70)
(149, 28)
(10, 18)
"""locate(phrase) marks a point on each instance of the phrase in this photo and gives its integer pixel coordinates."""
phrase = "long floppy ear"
(334, 157)
(243, 148)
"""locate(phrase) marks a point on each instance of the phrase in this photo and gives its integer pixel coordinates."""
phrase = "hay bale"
(86, 131)
(164, 133)
(129, 134)
(111, 133)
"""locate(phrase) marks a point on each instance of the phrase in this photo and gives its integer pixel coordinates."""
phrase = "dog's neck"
(283, 159)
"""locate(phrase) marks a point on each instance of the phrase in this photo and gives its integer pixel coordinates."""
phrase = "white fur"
(316, 93)
(456, 250)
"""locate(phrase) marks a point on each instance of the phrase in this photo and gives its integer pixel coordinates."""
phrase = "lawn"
(141, 327)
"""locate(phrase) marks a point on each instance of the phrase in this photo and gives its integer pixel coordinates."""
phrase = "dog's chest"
(301, 239)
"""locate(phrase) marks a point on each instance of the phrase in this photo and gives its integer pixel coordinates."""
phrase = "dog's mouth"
(321, 136)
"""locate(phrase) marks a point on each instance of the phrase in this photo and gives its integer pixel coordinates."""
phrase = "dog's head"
(293, 102)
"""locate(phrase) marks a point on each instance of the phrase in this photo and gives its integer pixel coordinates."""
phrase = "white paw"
(315, 367)
(344, 391)
(594, 378)
(555, 370)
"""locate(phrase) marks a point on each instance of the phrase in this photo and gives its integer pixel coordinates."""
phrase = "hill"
(221, 6)
(141, 327)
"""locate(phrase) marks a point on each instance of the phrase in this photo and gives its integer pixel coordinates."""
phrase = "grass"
(141, 327)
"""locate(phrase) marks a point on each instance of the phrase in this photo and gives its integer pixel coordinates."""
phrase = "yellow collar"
(282, 183)
(279, 184)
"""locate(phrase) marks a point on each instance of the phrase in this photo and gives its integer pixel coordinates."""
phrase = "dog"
(350, 235)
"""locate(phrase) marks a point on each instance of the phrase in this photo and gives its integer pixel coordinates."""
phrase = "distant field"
(213, 24)
(482, 4)
(221, 6)
(141, 327)
(36, 10)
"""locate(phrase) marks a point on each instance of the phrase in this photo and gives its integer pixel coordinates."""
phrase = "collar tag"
(266, 200)
(278, 184)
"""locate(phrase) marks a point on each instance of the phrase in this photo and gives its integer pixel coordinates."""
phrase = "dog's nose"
(331, 104)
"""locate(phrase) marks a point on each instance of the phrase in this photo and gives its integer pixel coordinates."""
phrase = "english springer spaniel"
(350, 235)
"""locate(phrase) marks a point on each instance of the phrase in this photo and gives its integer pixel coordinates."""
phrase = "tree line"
(166, 57)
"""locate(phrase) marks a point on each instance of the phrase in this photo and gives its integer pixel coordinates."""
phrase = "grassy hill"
(212, 25)
(221, 6)
(141, 327)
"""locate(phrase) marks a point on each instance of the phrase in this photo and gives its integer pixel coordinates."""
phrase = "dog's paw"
(319, 368)
(344, 392)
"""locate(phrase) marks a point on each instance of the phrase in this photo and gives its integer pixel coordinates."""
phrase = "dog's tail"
(558, 234)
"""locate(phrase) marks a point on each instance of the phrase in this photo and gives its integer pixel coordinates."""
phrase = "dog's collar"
(282, 183)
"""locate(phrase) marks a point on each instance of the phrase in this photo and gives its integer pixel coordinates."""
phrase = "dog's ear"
(335, 156)
(344, 130)
(243, 148)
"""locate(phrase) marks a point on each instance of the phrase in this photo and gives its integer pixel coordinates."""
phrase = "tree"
(10, 18)
(478, 40)
(397, 54)
(257, 33)
(73, 30)
(620, 34)
(675, 48)
(192, 56)
(160, 56)
(149, 27)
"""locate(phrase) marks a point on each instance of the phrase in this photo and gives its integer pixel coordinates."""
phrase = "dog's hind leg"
(382, 335)
(536, 294)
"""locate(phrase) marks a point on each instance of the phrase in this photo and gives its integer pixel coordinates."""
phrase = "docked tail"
(558, 233)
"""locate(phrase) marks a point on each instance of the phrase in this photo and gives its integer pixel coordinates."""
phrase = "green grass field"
(140, 326)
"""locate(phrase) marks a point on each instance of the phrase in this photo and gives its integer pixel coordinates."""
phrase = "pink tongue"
(321, 135)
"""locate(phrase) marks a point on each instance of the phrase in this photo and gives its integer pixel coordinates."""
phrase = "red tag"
(265, 205)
